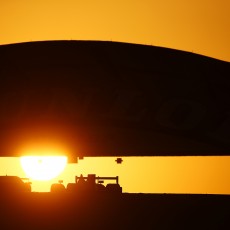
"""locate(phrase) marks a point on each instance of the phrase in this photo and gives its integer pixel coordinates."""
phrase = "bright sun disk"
(43, 167)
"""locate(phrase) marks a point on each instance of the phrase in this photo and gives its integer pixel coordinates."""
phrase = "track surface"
(124, 211)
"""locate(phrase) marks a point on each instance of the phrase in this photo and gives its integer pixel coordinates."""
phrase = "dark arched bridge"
(113, 99)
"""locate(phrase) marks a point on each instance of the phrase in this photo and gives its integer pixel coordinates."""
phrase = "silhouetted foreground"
(87, 204)
(123, 211)
(14, 184)
(113, 99)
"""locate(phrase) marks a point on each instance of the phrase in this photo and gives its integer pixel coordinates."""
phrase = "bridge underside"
(112, 99)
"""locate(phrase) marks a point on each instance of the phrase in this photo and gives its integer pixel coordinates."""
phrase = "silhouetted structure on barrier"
(57, 187)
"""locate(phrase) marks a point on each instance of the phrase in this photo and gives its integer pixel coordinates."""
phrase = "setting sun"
(43, 167)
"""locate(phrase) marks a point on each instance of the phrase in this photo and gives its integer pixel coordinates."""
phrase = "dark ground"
(124, 211)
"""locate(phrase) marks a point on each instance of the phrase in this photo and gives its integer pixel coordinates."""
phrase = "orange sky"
(193, 25)
(197, 26)
(144, 174)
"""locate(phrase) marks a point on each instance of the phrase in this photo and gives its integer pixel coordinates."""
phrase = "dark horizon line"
(117, 42)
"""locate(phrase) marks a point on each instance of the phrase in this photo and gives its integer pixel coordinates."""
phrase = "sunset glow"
(43, 167)
(200, 27)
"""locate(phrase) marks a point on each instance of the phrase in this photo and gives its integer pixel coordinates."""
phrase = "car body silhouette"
(14, 184)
